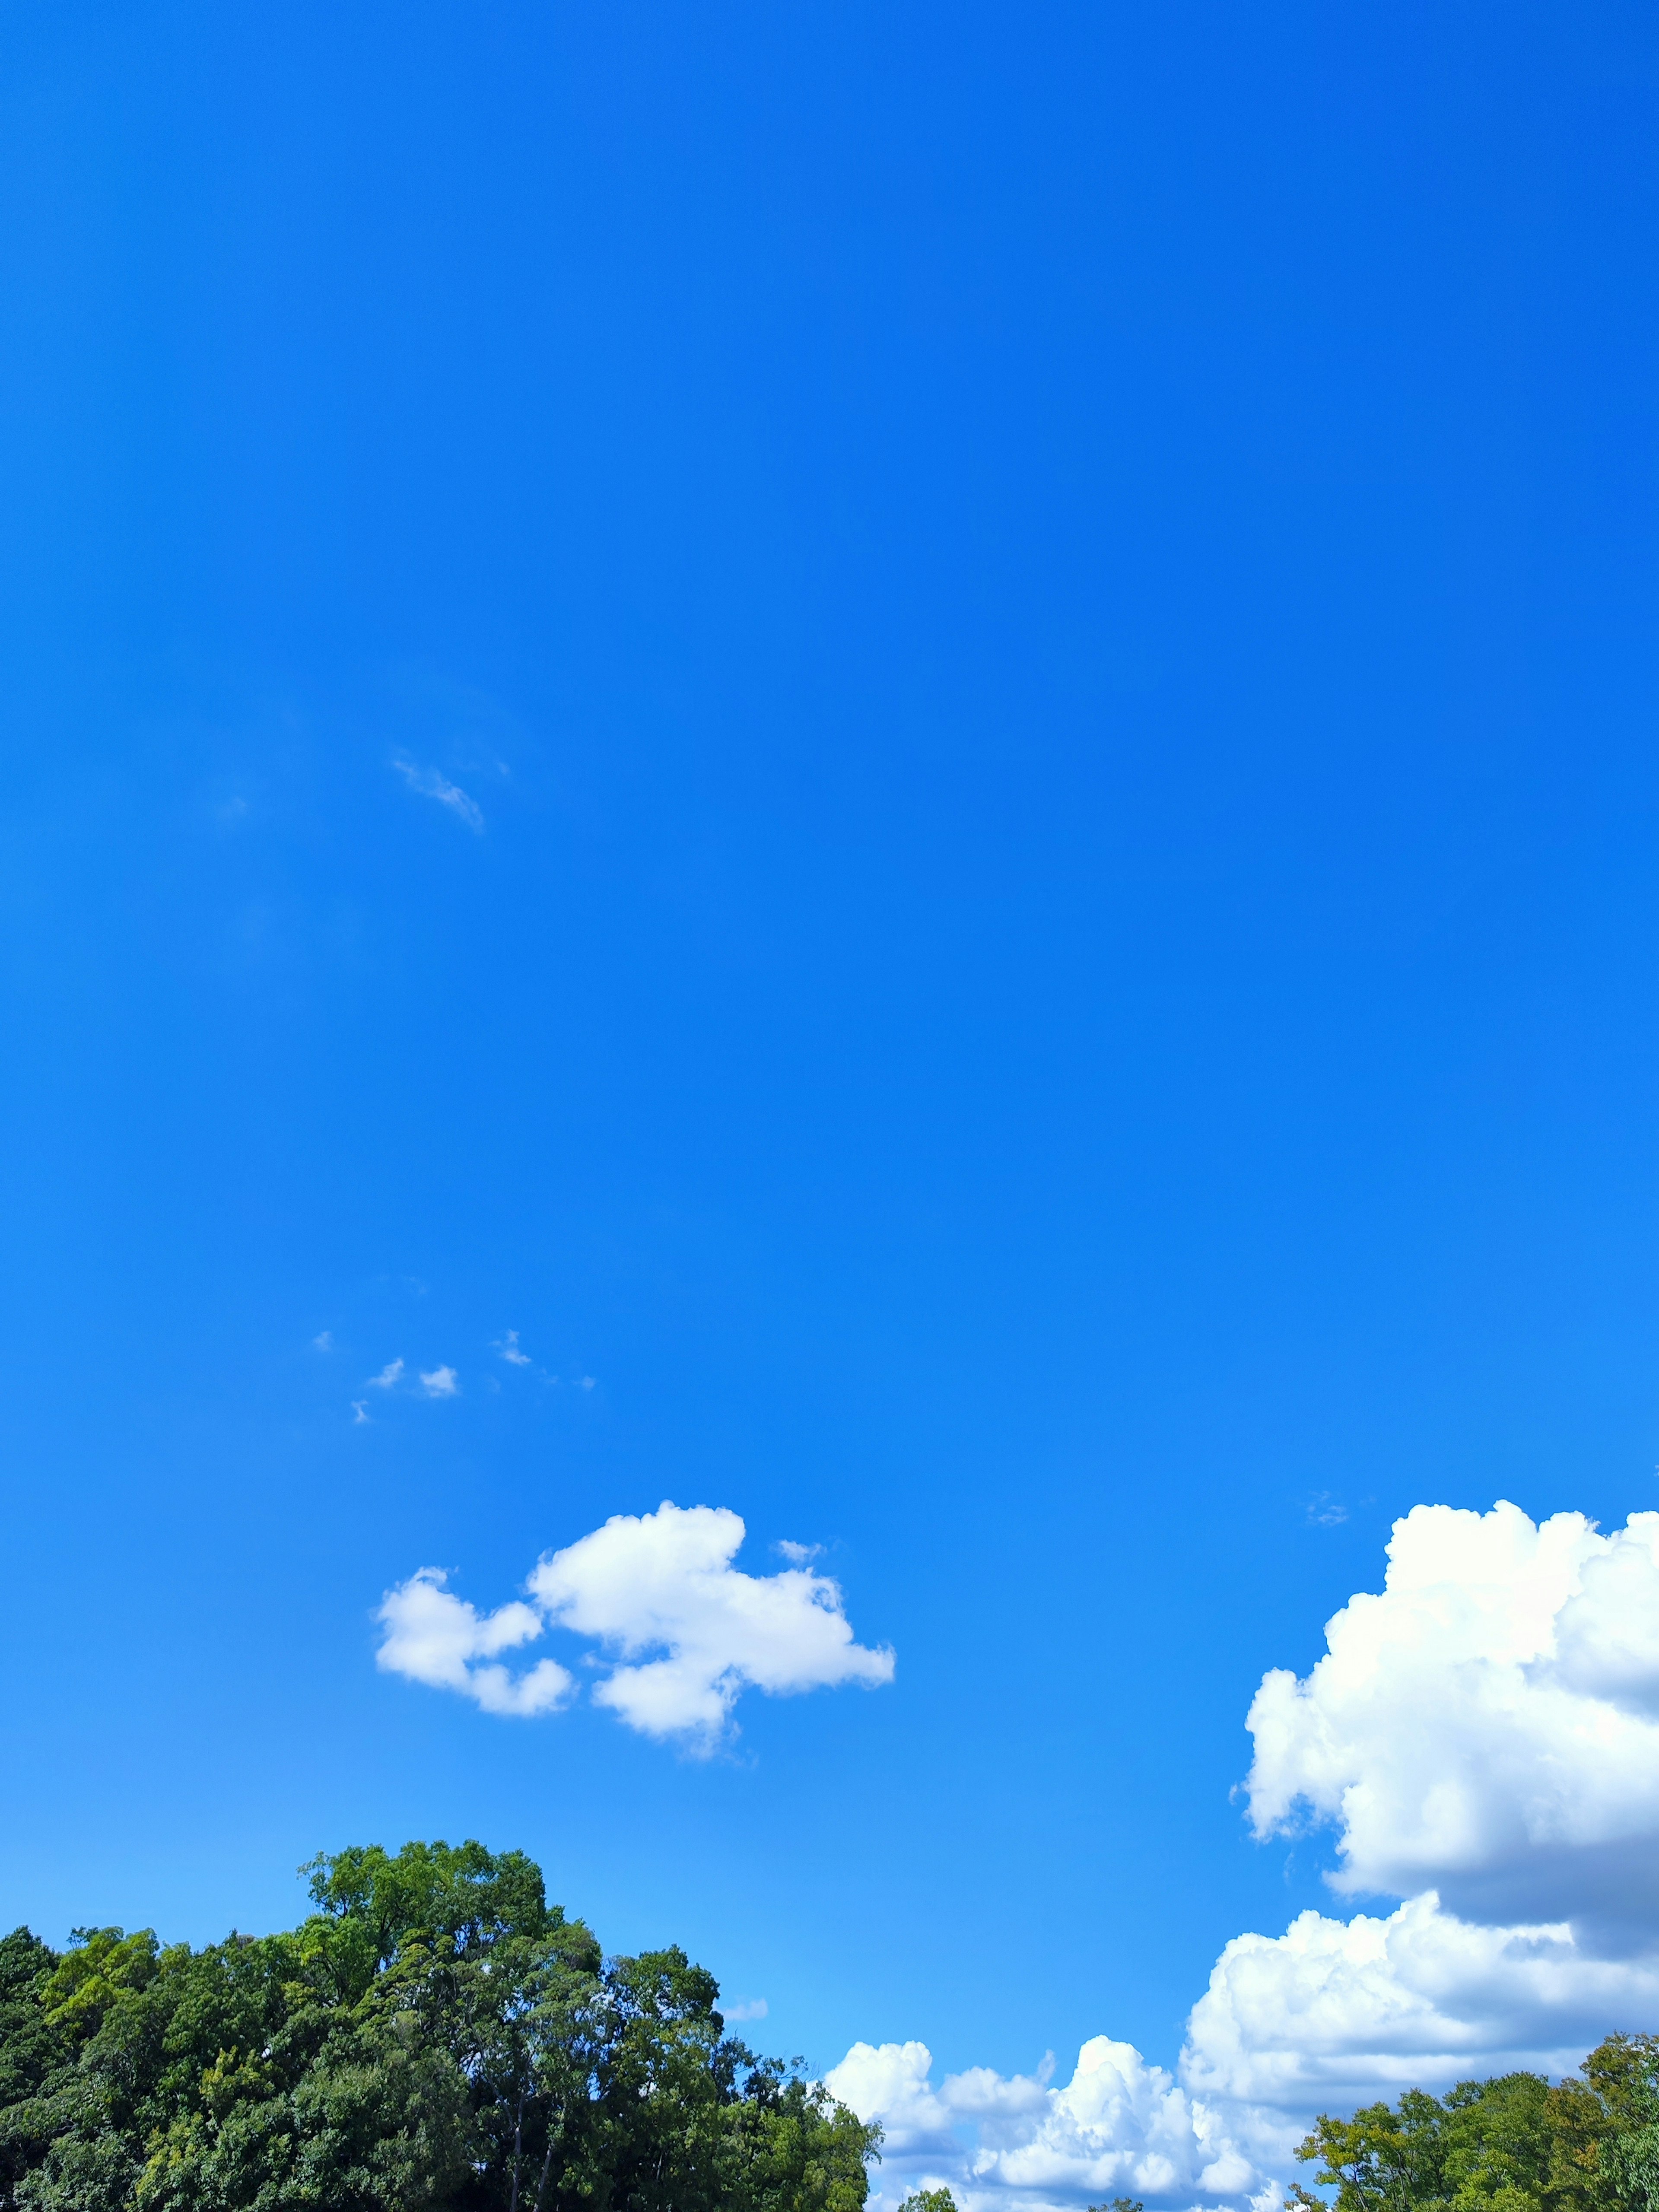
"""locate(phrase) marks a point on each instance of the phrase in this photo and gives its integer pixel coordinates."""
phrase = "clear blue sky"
(1050, 612)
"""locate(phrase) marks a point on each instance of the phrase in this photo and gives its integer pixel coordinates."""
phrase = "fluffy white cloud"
(1487, 1727)
(1119, 2127)
(663, 1584)
(433, 1637)
(442, 1382)
(1333, 2012)
(686, 1632)
(1483, 1736)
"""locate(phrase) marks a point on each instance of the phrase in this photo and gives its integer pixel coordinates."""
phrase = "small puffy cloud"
(744, 2009)
(388, 1376)
(690, 1631)
(798, 1555)
(508, 1348)
(1487, 1726)
(684, 1631)
(431, 784)
(433, 1637)
(442, 1382)
(1119, 2127)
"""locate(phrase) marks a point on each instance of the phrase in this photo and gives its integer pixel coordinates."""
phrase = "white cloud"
(1335, 2012)
(1119, 2127)
(1487, 1727)
(431, 784)
(442, 1382)
(323, 1341)
(659, 1592)
(508, 1348)
(798, 1555)
(360, 1413)
(1483, 1736)
(433, 1637)
(387, 1377)
(685, 1631)
(744, 2009)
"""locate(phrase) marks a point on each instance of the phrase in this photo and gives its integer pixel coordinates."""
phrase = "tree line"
(434, 2037)
(1511, 2145)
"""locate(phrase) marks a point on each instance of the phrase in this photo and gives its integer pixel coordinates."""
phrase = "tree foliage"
(434, 2037)
(1511, 2145)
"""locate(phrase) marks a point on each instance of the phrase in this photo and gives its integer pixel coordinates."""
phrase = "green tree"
(1606, 2131)
(32, 2052)
(1499, 2144)
(434, 2037)
(1385, 2158)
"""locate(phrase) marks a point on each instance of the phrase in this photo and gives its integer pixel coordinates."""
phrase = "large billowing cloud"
(1119, 2127)
(1487, 1727)
(684, 1631)
(1334, 2013)
(1482, 1736)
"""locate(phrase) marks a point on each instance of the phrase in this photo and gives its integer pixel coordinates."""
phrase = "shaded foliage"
(434, 2037)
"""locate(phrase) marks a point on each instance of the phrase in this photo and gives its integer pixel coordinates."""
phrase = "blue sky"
(1045, 619)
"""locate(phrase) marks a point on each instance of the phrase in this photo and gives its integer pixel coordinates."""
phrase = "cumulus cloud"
(442, 1382)
(1119, 2127)
(508, 1348)
(689, 1629)
(1486, 1726)
(388, 1376)
(684, 1632)
(433, 1637)
(1482, 1736)
(432, 784)
(1335, 2012)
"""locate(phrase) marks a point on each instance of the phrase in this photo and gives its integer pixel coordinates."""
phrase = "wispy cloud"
(358, 1413)
(432, 783)
(442, 1382)
(388, 1376)
(744, 2008)
(798, 1555)
(1325, 1511)
(323, 1341)
(508, 1348)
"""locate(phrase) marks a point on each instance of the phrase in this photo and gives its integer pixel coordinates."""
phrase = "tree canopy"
(1511, 2145)
(434, 2037)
